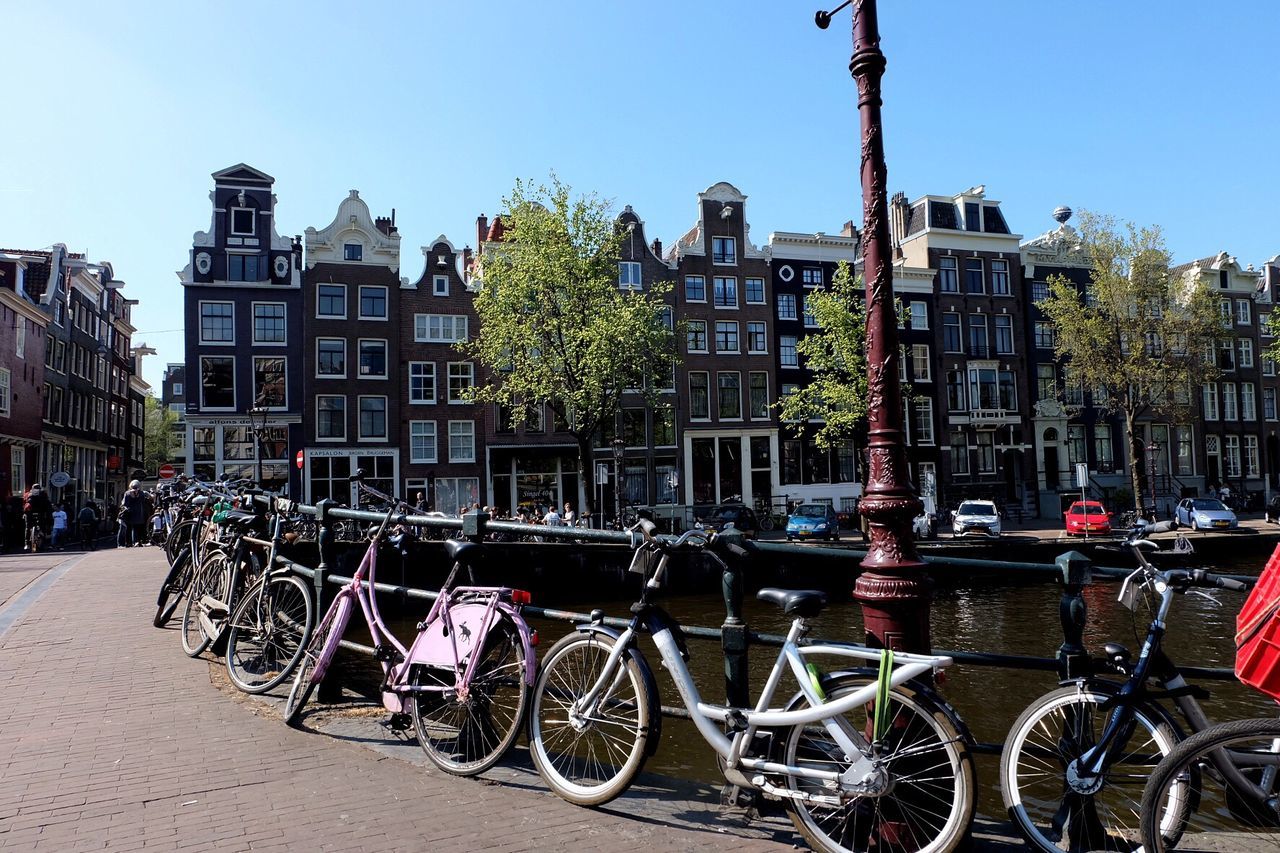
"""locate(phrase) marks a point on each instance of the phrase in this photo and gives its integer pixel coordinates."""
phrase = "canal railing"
(1074, 570)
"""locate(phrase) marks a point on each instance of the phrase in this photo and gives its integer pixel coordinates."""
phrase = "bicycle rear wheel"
(1217, 815)
(316, 658)
(268, 633)
(930, 798)
(467, 733)
(173, 589)
(212, 579)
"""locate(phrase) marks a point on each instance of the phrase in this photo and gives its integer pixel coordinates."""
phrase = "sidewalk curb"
(13, 611)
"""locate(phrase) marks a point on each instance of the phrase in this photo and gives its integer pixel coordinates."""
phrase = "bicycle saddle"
(800, 602)
(462, 551)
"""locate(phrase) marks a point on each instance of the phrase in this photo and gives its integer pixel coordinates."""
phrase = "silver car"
(1206, 514)
(976, 518)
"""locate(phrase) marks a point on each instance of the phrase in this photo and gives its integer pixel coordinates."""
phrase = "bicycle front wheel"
(1219, 815)
(1049, 803)
(930, 798)
(268, 633)
(316, 658)
(589, 756)
(212, 579)
(466, 729)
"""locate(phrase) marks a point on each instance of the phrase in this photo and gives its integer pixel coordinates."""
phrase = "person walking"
(133, 515)
(59, 526)
(567, 516)
(88, 521)
(37, 514)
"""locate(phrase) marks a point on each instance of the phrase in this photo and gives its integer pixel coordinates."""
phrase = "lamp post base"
(895, 610)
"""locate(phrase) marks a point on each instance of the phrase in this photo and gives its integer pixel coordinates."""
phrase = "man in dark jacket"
(134, 507)
(37, 511)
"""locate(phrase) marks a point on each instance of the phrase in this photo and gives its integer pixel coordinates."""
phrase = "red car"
(1087, 517)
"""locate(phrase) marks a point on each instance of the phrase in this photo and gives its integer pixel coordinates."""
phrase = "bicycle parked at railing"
(863, 760)
(186, 547)
(463, 682)
(1075, 760)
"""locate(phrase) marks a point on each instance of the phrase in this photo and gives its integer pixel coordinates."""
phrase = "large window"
(268, 323)
(951, 334)
(1246, 352)
(331, 301)
(948, 280)
(1039, 291)
(1000, 278)
(1211, 401)
(729, 398)
(1251, 456)
(786, 306)
(699, 396)
(373, 359)
(696, 331)
(787, 351)
(422, 382)
(1232, 461)
(1244, 313)
(726, 336)
(922, 426)
(978, 344)
(1248, 402)
(439, 328)
(756, 338)
(973, 282)
(246, 268)
(422, 442)
(331, 357)
(243, 220)
(373, 418)
(1075, 445)
(724, 250)
(1269, 403)
(959, 453)
(1044, 334)
(1229, 410)
(921, 367)
(462, 441)
(1103, 452)
(217, 382)
(1185, 459)
(695, 288)
(217, 323)
(955, 391)
(331, 417)
(754, 294)
(810, 319)
(1046, 382)
(1004, 334)
(759, 395)
(629, 275)
(269, 388)
(373, 302)
(461, 378)
(919, 313)
(726, 292)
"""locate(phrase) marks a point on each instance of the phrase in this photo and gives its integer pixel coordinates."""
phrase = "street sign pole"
(1082, 480)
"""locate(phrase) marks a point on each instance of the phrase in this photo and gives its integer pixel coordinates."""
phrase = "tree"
(555, 328)
(158, 437)
(1141, 337)
(836, 354)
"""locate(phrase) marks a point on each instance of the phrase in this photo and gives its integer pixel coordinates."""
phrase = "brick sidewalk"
(110, 738)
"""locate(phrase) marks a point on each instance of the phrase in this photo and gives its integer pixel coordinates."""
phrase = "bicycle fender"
(526, 639)
(650, 684)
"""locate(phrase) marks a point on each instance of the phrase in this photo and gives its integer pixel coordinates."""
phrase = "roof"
(1202, 262)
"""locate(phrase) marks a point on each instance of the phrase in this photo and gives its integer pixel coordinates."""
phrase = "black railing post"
(1077, 572)
(733, 633)
(330, 688)
(474, 524)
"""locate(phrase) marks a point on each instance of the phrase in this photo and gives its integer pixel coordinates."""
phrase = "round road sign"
(166, 472)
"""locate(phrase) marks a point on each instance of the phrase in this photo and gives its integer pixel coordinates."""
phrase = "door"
(1051, 480)
(1212, 461)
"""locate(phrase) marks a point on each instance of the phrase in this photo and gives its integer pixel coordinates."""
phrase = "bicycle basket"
(1258, 632)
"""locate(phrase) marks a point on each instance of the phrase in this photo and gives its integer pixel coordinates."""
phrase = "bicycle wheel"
(317, 657)
(1049, 805)
(588, 760)
(172, 590)
(466, 733)
(178, 537)
(268, 632)
(1217, 815)
(930, 797)
(212, 579)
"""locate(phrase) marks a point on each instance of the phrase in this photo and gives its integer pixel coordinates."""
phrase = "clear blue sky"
(117, 113)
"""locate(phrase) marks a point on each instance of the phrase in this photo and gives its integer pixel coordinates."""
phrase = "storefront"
(225, 446)
(328, 471)
(737, 466)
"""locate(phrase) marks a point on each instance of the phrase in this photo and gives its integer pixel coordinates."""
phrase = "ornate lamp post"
(619, 448)
(258, 425)
(893, 590)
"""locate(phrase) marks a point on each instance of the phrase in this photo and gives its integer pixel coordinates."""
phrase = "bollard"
(734, 630)
(330, 687)
(1077, 572)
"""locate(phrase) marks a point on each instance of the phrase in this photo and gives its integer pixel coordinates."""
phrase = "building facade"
(23, 339)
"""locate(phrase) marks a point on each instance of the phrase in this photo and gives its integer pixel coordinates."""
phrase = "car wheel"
(835, 535)
(1195, 525)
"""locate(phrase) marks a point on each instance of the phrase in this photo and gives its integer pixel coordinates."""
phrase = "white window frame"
(342, 437)
(345, 359)
(923, 314)
(1230, 402)
(810, 319)
(200, 320)
(630, 275)
(1245, 355)
(386, 418)
(471, 381)
(6, 395)
(436, 282)
(922, 413)
(386, 302)
(422, 328)
(1244, 312)
(764, 338)
(341, 316)
(284, 370)
(472, 425)
(434, 389)
(791, 299)
(920, 356)
(253, 222)
(732, 243)
(1209, 401)
(736, 338)
(730, 281)
(746, 291)
(20, 338)
(386, 358)
(1252, 461)
(430, 458)
(1008, 280)
(1248, 402)
(706, 341)
(782, 350)
(253, 331)
(1274, 409)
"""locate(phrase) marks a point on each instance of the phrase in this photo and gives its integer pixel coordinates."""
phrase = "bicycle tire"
(280, 642)
(570, 767)
(1210, 798)
(317, 657)
(465, 736)
(178, 536)
(173, 589)
(1044, 741)
(210, 580)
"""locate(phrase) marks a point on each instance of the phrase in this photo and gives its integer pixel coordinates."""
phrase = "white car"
(976, 518)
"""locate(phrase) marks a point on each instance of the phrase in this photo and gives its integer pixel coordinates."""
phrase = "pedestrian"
(88, 520)
(420, 503)
(552, 518)
(59, 526)
(37, 514)
(133, 517)
(569, 518)
(157, 528)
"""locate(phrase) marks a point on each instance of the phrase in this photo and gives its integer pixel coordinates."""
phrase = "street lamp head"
(823, 19)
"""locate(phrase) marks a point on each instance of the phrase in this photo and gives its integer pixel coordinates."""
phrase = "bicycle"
(463, 682)
(862, 760)
(1074, 758)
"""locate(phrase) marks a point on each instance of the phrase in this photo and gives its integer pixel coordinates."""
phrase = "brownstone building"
(22, 352)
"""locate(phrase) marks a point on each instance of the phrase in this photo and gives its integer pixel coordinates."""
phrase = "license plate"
(1222, 524)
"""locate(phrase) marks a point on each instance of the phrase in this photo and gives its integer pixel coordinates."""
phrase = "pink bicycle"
(465, 679)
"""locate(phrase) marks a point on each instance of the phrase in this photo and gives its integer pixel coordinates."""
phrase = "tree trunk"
(586, 473)
(1137, 462)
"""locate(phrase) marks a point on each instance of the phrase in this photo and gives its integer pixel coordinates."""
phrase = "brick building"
(23, 328)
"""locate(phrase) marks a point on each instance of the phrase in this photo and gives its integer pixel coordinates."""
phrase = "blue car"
(813, 521)
(1205, 514)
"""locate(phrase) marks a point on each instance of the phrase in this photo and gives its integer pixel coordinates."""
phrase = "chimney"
(496, 230)
(383, 224)
(848, 229)
(898, 211)
(657, 247)
(482, 229)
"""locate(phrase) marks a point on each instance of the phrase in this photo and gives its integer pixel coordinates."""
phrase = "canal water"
(1013, 619)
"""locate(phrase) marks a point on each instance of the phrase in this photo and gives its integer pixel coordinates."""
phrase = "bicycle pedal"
(399, 723)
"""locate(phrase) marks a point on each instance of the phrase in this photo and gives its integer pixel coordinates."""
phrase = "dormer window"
(440, 285)
(352, 252)
(724, 250)
(243, 220)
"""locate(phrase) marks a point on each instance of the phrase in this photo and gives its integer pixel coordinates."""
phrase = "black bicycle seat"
(800, 602)
(462, 551)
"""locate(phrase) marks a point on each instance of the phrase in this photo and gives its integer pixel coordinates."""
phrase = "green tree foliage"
(836, 354)
(159, 440)
(554, 326)
(1139, 337)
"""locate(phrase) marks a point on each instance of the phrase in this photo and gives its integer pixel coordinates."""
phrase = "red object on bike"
(1258, 632)
(520, 596)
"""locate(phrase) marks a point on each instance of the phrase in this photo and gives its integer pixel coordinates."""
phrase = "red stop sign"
(166, 471)
(298, 459)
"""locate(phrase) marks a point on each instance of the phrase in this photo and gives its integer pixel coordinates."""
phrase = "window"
(726, 336)
(699, 396)
(1268, 367)
(331, 357)
(951, 333)
(920, 365)
(984, 390)
(1044, 334)
(331, 301)
(177, 389)
(20, 338)
(5, 396)
(959, 453)
(1246, 352)
(1211, 401)
(948, 282)
(1264, 325)
(1000, 278)
(1008, 390)
(1232, 460)
(695, 288)
(810, 321)
(268, 323)
(1103, 452)
(664, 427)
(973, 282)
(1269, 403)
(1039, 291)
(1229, 412)
(1046, 382)
(331, 417)
(1248, 402)
(269, 388)
(978, 345)
(373, 303)
(461, 378)
(217, 382)
(245, 268)
(729, 398)
(756, 338)
(1226, 355)
(787, 351)
(696, 332)
(1224, 312)
(786, 306)
(1244, 313)
(352, 252)
(755, 291)
(726, 292)
(955, 391)
(1185, 464)
(922, 426)
(759, 401)
(439, 328)
(533, 418)
(373, 359)
(724, 250)
(217, 323)
(629, 275)
(373, 418)
(919, 312)
(422, 442)
(1251, 456)
(462, 441)
(1004, 334)
(422, 382)
(440, 285)
(242, 221)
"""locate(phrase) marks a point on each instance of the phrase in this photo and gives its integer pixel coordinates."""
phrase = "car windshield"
(1086, 509)
(1209, 505)
(811, 511)
(727, 513)
(975, 508)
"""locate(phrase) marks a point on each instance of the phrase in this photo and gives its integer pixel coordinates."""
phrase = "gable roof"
(244, 174)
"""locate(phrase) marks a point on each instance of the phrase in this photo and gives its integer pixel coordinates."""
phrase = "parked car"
(1205, 514)
(813, 521)
(1087, 517)
(1273, 508)
(976, 518)
(738, 515)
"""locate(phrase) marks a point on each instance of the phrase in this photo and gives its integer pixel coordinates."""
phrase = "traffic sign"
(298, 460)
(602, 472)
(166, 471)
(59, 479)
(1082, 475)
